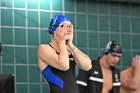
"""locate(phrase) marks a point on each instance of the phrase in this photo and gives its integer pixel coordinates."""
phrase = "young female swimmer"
(55, 58)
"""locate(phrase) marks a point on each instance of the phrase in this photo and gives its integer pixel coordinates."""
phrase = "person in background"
(55, 58)
(104, 77)
(130, 77)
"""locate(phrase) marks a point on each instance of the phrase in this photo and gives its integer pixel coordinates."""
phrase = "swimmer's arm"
(82, 60)
(50, 57)
(130, 81)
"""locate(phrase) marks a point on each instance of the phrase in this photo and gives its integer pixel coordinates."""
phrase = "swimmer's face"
(68, 29)
(113, 58)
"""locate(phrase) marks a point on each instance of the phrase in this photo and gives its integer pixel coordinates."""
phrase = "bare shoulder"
(44, 47)
(43, 55)
(45, 50)
(46, 53)
(127, 72)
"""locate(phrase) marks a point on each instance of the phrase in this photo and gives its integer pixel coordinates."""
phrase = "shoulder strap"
(53, 48)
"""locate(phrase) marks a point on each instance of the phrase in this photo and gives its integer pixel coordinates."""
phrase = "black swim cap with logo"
(113, 47)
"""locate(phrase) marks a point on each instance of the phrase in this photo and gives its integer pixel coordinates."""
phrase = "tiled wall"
(24, 24)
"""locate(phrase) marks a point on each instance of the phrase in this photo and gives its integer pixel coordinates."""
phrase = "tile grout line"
(14, 46)
(0, 40)
(39, 32)
(26, 20)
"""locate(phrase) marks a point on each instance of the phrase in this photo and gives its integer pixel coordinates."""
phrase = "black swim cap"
(113, 47)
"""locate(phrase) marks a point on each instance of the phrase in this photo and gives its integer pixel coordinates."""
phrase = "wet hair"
(113, 47)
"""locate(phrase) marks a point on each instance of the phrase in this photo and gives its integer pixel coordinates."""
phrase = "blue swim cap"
(55, 21)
